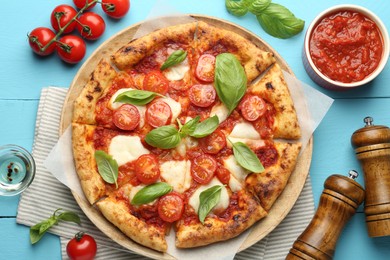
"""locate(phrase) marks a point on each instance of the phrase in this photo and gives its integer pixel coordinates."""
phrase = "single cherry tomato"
(81, 247)
(91, 26)
(116, 8)
(81, 3)
(205, 68)
(202, 95)
(170, 207)
(61, 16)
(203, 168)
(213, 143)
(158, 113)
(147, 169)
(252, 107)
(71, 49)
(126, 117)
(39, 38)
(156, 82)
(223, 175)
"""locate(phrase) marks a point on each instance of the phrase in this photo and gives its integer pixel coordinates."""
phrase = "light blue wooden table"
(23, 74)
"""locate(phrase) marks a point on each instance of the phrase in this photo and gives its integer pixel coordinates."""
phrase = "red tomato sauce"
(346, 46)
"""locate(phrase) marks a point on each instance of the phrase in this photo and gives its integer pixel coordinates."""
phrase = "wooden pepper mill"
(372, 148)
(338, 203)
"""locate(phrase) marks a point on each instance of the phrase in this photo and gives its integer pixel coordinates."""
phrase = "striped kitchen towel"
(46, 194)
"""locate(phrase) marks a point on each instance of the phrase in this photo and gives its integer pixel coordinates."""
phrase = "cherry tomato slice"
(170, 207)
(223, 175)
(203, 168)
(62, 15)
(202, 95)
(146, 168)
(252, 107)
(126, 117)
(39, 37)
(91, 26)
(213, 143)
(205, 68)
(116, 8)
(158, 113)
(81, 247)
(156, 82)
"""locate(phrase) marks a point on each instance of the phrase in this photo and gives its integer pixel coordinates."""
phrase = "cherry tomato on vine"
(71, 49)
(81, 247)
(81, 3)
(91, 26)
(38, 38)
(116, 8)
(61, 16)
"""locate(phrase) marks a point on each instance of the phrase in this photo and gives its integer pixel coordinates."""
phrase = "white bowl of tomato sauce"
(346, 46)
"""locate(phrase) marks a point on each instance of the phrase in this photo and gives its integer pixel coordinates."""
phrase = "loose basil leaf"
(236, 7)
(107, 167)
(45, 225)
(230, 80)
(256, 7)
(247, 158)
(205, 127)
(279, 22)
(164, 137)
(35, 236)
(70, 216)
(208, 199)
(137, 97)
(151, 192)
(175, 58)
(189, 127)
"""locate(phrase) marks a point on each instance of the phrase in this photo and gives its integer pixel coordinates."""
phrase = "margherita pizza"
(177, 131)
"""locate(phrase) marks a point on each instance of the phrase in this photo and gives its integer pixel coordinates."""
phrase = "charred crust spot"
(89, 97)
(97, 88)
(127, 49)
(268, 85)
(209, 225)
(236, 217)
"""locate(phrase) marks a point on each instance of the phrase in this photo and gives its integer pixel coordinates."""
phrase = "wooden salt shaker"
(338, 203)
(372, 148)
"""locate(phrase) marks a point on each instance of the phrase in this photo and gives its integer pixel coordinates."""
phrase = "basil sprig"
(230, 80)
(168, 137)
(208, 199)
(275, 19)
(175, 58)
(151, 192)
(137, 97)
(246, 157)
(38, 231)
(107, 167)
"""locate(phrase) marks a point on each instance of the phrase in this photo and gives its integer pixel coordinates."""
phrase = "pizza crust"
(269, 184)
(83, 153)
(118, 213)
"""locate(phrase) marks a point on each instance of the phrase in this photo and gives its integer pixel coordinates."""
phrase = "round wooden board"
(278, 211)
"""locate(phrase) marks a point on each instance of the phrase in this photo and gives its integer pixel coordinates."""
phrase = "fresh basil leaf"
(189, 127)
(137, 97)
(47, 224)
(280, 22)
(107, 167)
(208, 199)
(164, 137)
(151, 192)
(35, 236)
(205, 127)
(256, 7)
(247, 158)
(236, 7)
(175, 58)
(230, 80)
(70, 217)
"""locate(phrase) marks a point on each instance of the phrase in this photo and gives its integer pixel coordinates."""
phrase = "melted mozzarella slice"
(246, 133)
(175, 107)
(178, 71)
(220, 111)
(177, 174)
(115, 105)
(125, 148)
(223, 202)
(134, 191)
(234, 184)
(235, 169)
